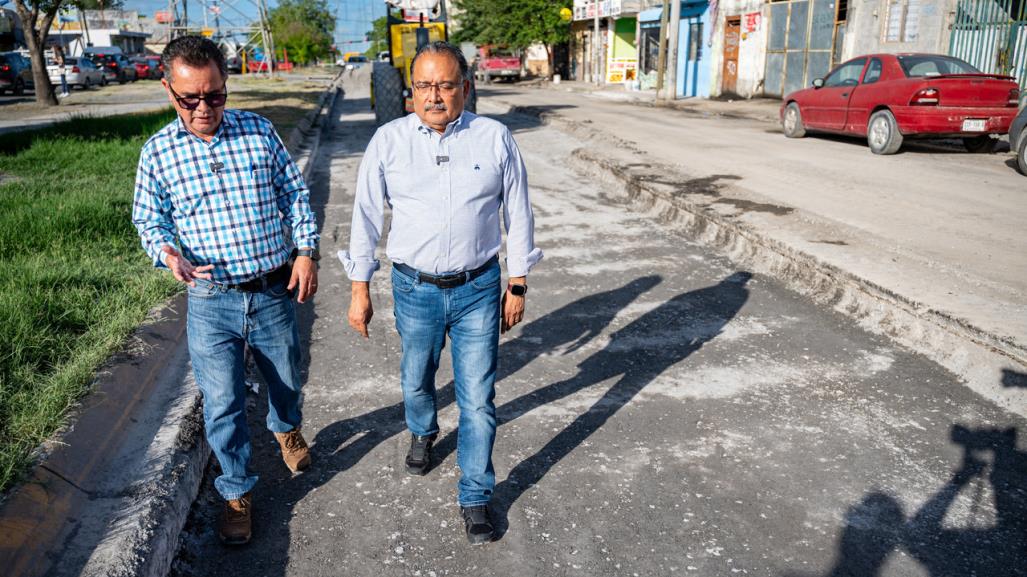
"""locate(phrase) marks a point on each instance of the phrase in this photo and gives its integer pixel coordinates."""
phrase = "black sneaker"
(419, 458)
(478, 525)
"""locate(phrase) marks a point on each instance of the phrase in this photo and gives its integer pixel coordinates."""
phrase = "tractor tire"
(471, 104)
(387, 84)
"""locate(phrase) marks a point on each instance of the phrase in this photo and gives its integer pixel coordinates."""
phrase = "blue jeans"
(469, 314)
(220, 322)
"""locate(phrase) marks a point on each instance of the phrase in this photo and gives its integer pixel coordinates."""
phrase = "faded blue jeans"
(220, 322)
(469, 315)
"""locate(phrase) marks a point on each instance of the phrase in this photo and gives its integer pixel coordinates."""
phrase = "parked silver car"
(79, 72)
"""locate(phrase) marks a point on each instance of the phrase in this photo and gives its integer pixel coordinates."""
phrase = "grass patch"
(74, 281)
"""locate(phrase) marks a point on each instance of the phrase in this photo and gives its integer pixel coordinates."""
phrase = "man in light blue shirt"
(446, 174)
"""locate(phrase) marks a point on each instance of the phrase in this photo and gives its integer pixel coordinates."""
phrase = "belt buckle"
(452, 281)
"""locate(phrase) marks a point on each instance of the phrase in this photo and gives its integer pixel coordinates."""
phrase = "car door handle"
(844, 94)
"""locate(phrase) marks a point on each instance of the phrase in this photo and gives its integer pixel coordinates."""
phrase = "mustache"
(436, 106)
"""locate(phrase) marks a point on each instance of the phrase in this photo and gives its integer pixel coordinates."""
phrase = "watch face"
(518, 290)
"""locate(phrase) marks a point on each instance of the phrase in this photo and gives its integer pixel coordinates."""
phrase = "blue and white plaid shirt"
(229, 202)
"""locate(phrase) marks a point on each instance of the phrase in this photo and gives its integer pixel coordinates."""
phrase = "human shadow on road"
(343, 444)
(877, 527)
(1014, 379)
(571, 326)
(635, 355)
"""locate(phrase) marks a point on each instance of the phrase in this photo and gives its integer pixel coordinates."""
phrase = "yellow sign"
(566, 14)
(207, 32)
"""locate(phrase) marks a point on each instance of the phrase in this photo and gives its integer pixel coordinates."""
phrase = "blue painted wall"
(693, 74)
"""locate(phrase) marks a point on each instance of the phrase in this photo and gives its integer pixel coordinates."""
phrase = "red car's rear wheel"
(883, 134)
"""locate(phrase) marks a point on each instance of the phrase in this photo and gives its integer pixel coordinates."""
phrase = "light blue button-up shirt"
(446, 192)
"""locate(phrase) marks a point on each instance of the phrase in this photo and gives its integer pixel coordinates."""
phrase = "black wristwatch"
(518, 290)
(313, 253)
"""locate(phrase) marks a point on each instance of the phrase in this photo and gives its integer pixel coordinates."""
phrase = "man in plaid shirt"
(219, 202)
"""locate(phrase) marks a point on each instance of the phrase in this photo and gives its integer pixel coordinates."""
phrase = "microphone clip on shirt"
(440, 159)
(216, 167)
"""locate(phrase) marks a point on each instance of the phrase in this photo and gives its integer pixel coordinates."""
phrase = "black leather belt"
(260, 284)
(448, 280)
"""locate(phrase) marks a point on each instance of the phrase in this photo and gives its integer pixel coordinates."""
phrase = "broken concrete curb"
(697, 106)
(111, 498)
(985, 361)
(110, 487)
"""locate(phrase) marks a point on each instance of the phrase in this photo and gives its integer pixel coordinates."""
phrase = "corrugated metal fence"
(801, 44)
(992, 35)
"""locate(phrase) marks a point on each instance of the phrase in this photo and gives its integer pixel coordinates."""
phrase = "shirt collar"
(452, 127)
(227, 121)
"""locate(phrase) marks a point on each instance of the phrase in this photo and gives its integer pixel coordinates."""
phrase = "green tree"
(379, 37)
(36, 17)
(514, 23)
(303, 28)
(100, 5)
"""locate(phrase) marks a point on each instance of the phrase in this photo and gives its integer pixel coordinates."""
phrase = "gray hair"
(195, 51)
(443, 47)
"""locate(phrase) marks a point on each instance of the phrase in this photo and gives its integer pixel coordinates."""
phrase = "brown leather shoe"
(294, 450)
(236, 521)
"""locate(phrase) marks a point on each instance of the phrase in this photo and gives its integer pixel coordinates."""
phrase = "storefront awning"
(650, 15)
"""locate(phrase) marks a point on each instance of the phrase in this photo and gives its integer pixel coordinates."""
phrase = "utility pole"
(596, 43)
(672, 51)
(266, 38)
(661, 60)
(217, 21)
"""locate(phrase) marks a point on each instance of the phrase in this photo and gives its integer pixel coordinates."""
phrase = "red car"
(156, 67)
(892, 97)
(143, 68)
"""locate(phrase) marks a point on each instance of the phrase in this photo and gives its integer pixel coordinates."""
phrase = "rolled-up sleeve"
(368, 216)
(292, 194)
(151, 210)
(521, 253)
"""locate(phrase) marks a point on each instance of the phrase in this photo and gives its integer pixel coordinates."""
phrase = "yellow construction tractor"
(411, 24)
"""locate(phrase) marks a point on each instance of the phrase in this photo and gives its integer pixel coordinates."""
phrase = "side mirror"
(818, 83)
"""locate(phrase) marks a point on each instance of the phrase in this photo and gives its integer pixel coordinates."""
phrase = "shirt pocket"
(483, 179)
(261, 182)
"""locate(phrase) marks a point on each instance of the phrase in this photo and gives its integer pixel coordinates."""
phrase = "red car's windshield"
(930, 65)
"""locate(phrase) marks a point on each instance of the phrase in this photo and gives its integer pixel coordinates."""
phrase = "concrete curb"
(114, 491)
(111, 489)
(703, 107)
(308, 132)
(987, 363)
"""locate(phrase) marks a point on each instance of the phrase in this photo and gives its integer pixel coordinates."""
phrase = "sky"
(353, 17)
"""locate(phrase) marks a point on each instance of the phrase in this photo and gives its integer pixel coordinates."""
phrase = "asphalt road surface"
(661, 410)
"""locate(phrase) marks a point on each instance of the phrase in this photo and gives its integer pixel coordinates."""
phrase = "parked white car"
(79, 72)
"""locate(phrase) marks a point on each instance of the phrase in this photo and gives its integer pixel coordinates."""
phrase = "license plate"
(974, 125)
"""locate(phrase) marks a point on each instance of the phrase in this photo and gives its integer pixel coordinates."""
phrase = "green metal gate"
(992, 35)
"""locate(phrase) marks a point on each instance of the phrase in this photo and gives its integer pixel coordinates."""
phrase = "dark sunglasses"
(193, 102)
